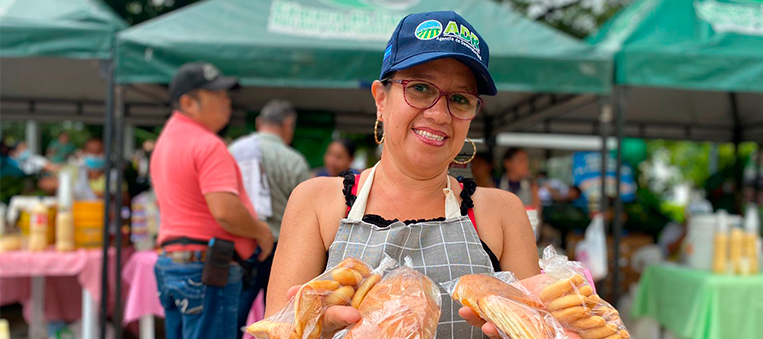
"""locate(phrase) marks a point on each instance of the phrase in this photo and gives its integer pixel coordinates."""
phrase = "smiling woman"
(428, 93)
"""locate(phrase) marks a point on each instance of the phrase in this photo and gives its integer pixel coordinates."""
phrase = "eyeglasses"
(422, 94)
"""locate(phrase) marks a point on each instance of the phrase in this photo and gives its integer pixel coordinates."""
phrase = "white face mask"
(23, 156)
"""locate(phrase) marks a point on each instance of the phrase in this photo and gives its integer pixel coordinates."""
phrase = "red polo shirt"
(189, 161)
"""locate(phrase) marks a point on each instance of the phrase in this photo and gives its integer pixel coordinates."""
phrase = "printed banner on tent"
(294, 18)
(586, 174)
(743, 18)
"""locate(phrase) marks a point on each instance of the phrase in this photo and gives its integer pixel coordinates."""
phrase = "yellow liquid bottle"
(38, 228)
(720, 248)
(736, 243)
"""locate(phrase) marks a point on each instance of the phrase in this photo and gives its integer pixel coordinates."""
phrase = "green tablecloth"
(700, 305)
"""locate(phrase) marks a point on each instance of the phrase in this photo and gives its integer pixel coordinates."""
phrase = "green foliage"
(578, 18)
(693, 158)
(137, 11)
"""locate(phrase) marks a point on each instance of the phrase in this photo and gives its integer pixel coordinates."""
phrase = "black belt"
(248, 269)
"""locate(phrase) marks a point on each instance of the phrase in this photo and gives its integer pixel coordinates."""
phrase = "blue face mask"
(24, 156)
(95, 162)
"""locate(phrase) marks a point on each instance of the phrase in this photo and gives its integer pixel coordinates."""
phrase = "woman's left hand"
(487, 328)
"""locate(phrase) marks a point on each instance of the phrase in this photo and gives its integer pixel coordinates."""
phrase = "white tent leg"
(147, 326)
(37, 328)
(33, 136)
(89, 316)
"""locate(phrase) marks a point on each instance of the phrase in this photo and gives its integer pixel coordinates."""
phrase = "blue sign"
(586, 175)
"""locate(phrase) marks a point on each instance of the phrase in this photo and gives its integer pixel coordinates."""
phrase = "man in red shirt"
(201, 196)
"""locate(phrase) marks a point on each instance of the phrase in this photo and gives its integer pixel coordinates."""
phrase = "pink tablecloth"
(65, 272)
(142, 298)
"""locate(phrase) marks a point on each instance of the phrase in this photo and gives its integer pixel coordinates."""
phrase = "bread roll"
(271, 330)
(356, 265)
(346, 276)
(599, 332)
(570, 314)
(473, 287)
(593, 301)
(329, 285)
(516, 320)
(308, 309)
(363, 289)
(405, 304)
(588, 322)
(585, 290)
(560, 288)
(342, 296)
(566, 301)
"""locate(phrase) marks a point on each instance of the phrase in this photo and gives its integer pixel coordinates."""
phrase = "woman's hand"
(487, 328)
(335, 319)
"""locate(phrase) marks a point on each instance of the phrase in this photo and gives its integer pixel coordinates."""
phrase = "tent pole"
(617, 224)
(759, 159)
(107, 140)
(119, 128)
(737, 139)
(605, 120)
(488, 131)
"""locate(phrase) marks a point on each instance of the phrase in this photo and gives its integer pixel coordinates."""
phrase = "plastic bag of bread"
(302, 318)
(570, 298)
(404, 305)
(501, 300)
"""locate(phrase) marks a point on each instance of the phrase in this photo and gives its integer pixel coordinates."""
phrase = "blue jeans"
(192, 309)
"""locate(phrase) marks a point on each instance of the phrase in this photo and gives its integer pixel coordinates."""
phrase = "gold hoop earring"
(376, 133)
(472, 157)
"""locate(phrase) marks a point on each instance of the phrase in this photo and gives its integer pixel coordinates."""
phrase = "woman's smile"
(430, 136)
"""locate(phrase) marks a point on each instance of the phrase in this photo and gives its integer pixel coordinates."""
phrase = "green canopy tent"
(323, 55)
(684, 69)
(55, 64)
(52, 58)
(690, 70)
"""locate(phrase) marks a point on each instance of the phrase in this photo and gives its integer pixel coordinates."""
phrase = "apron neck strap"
(452, 210)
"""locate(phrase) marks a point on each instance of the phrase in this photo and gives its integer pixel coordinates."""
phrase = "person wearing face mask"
(8, 166)
(337, 159)
(90, 182)
(31, 164)
(433, 73)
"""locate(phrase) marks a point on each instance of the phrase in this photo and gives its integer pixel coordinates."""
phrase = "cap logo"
(428, 30)
(387, 52)
(464, 35)
(210, 72)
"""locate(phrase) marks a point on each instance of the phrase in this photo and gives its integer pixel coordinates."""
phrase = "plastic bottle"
(720, 244)
(736, 245)
(751, 238)
(38, 228)
(65, 217)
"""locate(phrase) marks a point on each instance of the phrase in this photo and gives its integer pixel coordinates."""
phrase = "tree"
(137, 11)
(578, 18)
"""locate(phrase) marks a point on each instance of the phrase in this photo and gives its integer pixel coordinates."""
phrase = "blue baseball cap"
(424, 37)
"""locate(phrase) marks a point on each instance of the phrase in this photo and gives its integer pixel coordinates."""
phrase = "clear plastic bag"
(570, 298)
(501, 300)
(405, 304)
(346, 284)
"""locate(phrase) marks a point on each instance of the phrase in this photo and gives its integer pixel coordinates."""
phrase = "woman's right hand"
(335, 319)
(472, 319)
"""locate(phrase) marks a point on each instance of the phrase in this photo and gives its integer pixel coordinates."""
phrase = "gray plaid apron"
(442, 250)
